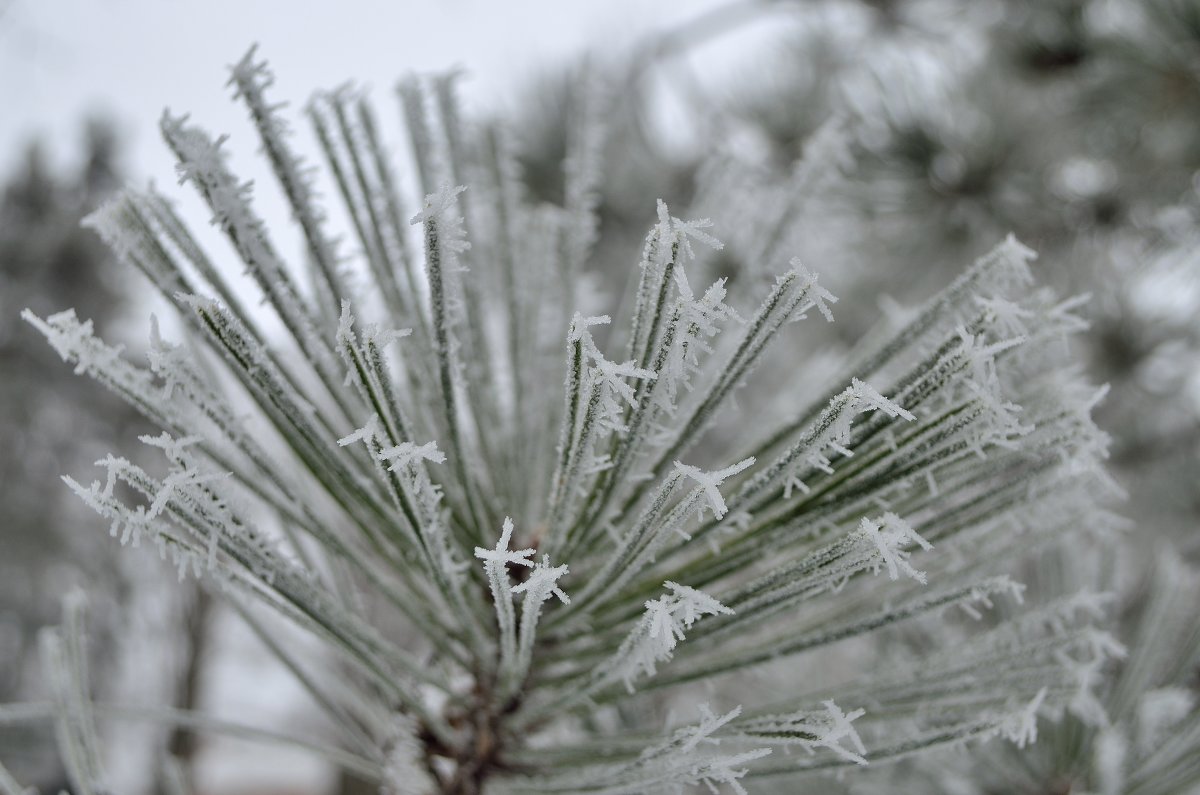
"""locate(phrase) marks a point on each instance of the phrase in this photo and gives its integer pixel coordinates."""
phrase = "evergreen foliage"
(526, 545)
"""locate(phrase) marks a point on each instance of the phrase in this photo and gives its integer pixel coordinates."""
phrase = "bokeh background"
(921, 131)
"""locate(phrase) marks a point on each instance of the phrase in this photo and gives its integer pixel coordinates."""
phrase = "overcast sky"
(60, 59)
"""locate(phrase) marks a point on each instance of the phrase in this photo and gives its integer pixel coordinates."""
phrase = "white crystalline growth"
(1020, 727)
(406, 453)
(887, 539)
(830, 728)
(689, 758)
(709, 481)
(659, 631)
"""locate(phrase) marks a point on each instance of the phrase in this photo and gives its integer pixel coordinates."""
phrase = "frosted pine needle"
(344, 477)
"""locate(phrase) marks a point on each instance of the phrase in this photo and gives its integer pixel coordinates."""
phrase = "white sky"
(130, 59)
(60, 59)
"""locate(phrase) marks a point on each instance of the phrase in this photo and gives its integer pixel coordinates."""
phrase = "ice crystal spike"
(511, 568)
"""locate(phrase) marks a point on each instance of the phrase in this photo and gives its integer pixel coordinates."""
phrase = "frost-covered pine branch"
(1132, 724)
(514, 569)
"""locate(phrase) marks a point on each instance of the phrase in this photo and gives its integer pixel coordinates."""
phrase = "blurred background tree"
(51, 422)
(1071, 123)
